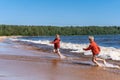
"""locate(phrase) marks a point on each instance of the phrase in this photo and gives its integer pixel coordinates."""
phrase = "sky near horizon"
(60, 12)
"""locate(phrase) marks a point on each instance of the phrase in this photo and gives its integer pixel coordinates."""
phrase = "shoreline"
(2, 38)
(20, 63)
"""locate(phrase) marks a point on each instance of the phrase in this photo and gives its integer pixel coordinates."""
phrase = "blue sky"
(60, 12)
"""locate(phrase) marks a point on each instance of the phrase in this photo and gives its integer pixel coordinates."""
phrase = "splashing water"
(106, 52)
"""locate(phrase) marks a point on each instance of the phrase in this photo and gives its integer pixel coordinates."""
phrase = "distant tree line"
(10, 30)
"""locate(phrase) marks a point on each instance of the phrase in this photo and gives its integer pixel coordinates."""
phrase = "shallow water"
(25, 62)
(109, 44)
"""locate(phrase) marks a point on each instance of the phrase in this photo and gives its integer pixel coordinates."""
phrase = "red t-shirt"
(56, 43)
(94, 48)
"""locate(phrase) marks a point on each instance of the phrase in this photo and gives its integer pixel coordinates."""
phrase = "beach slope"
(19, 62)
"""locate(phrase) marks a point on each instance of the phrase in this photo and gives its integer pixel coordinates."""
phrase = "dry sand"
(20, 63)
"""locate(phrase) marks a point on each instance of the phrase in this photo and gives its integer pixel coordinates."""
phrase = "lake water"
(109, 44)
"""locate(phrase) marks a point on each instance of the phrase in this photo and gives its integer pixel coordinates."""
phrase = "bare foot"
(104, 62)
(63, 57)
(98, 65)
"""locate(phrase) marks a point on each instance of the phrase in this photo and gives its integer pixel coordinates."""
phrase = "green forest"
(23, 30)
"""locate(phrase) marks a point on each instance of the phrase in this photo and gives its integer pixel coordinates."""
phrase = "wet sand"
(19, 62)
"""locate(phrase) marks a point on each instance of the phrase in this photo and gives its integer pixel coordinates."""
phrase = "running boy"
(95, 51)
(56, 43)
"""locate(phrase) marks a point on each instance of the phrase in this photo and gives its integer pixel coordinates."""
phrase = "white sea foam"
(112, 65)
(106, 52)
(109, 65)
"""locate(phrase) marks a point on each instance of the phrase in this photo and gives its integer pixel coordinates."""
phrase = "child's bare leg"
(60, 55)
(101, 60)
(94, 61)
(54, 50)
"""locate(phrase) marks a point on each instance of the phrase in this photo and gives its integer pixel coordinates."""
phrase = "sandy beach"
(20, 62)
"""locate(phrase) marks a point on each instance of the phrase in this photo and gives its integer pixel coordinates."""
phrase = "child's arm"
(51, 42)
(88, 48)
(55, 41)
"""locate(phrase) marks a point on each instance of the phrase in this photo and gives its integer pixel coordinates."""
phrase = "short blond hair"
(91, 37)
(57, 35)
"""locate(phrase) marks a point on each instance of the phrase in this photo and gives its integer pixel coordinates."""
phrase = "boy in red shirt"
(95, 50)
(56, 43)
